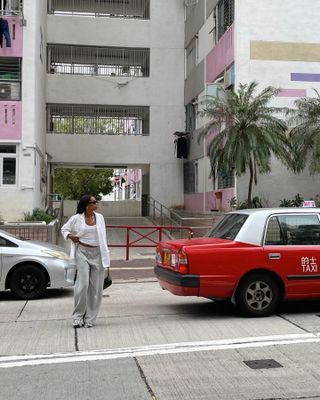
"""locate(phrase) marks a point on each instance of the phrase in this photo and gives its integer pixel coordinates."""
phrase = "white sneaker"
(77, 323)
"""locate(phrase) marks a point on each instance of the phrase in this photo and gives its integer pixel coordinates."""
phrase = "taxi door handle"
(274, 256)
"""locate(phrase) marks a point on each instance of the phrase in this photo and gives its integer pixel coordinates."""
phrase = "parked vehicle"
(256, 258)
(28, 267)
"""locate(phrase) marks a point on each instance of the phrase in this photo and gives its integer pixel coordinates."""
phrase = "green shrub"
(256, 203)
(296, 202)
(38, 215)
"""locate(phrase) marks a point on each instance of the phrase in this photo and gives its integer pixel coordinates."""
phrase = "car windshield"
(228, 227)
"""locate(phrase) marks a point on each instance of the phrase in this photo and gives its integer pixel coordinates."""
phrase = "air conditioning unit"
(5, 91)
(9, 91)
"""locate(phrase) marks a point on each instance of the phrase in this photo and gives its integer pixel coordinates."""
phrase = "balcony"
(221, 56)
(12, 44)
(78, 119)
(10, 120)
(98, 61)
(139, 9)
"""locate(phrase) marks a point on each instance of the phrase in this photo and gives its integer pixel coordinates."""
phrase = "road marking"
(171, 348)
(129, 268)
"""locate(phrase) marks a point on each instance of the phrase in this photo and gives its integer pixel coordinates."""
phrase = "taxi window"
(228, 227)
(298, 230)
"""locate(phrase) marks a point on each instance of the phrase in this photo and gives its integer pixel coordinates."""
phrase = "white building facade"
(238, 41)
(23, 157)
(108, 84)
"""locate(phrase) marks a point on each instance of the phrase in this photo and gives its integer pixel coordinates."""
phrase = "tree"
(305, 135)
(247, 132)
(73, 183)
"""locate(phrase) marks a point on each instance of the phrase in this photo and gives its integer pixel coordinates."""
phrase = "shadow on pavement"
(49, 294)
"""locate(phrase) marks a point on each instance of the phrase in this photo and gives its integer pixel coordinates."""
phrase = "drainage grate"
(263, 364)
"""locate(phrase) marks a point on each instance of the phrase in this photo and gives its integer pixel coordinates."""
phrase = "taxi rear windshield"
(228, 227)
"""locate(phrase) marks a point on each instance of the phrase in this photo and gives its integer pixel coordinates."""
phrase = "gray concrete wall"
(163, 92)
(194, 84)
(195, 22)
(210, 5)
(126, 208)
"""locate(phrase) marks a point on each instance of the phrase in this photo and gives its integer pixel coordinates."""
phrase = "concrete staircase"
(200, 222)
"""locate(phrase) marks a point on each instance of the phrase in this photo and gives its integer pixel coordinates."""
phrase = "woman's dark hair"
(83, 202)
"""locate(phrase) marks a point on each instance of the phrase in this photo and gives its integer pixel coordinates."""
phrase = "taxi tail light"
(183, 264)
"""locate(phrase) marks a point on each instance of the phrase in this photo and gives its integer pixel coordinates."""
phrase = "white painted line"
(129, 268)
(172, 348)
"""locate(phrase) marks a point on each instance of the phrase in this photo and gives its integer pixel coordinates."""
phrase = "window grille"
(10, 78)
(189, 177)
(191, 56)
(225, 16)
(100, 61)
(8, 165)
(101, 8)
(11, 7)
(190, 117)
(225, 180)
(98, 119)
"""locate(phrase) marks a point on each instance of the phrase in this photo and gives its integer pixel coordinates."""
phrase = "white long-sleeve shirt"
(76, 226)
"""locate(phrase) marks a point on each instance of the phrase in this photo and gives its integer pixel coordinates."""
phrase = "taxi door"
(292, 249)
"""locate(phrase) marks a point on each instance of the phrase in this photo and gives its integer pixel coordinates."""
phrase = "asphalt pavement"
(149, 344)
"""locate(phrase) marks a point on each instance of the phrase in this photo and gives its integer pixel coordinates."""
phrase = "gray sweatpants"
(88, 288)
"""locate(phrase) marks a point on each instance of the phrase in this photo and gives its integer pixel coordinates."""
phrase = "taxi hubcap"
(258, 295)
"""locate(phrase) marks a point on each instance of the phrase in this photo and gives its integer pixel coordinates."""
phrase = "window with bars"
(225, 179)
(191, 56)
(189, 177)
(101, 61)
(11, 7)
(101, 8)
(8, 165)
(225, 16)
(190, 117)
(98, 119)
(10, 78)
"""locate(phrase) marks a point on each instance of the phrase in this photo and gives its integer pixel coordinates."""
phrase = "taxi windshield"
(228, 227)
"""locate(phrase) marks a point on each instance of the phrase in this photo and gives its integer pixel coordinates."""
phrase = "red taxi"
(256, 258)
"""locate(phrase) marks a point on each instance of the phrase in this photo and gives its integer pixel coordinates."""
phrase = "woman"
(87, 232)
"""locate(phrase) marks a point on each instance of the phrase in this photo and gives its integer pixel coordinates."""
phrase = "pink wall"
(221, 56)
(134, 175)
(292, 93)
(218, 199)
(16, 35)
(10, 120)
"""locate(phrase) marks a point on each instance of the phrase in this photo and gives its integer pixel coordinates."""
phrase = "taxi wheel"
(258, 295)
(28, 282)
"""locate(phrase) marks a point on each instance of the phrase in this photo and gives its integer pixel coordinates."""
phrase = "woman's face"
(92, 205)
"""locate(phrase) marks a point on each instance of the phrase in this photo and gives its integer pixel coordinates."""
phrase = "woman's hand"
(74, 238)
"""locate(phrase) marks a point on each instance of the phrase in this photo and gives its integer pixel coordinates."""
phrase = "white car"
(29, 267)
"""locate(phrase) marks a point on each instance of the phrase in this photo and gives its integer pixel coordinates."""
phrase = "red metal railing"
(152, 235)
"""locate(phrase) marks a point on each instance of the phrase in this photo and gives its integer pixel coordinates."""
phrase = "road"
(149, 344)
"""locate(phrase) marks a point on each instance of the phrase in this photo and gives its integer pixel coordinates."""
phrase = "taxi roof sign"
(309, 203)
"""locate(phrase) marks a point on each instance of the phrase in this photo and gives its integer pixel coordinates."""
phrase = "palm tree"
(247, 132)
(305, 136)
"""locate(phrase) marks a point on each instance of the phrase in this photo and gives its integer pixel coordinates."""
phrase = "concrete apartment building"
(108, 83)
(102, 86)
(229, 42)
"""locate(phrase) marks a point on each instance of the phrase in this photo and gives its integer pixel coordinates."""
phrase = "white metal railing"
(98, 61)
(11, 7)
(101, 8)
(98, 119)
